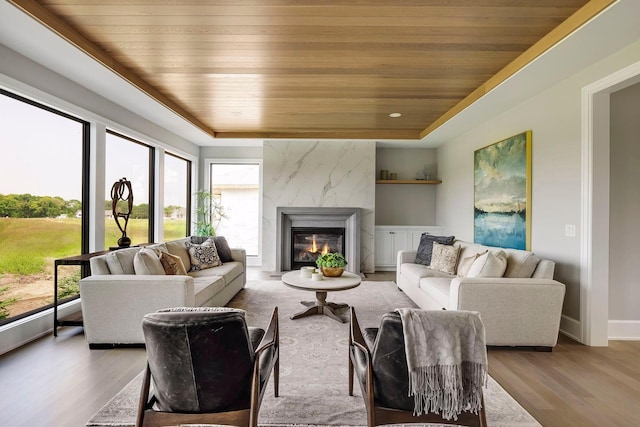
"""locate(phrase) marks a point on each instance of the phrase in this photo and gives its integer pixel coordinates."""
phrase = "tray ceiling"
(315, 69)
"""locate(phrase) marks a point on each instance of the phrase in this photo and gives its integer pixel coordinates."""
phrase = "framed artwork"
(502, 193)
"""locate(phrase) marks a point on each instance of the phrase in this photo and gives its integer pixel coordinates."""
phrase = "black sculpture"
(118, 191)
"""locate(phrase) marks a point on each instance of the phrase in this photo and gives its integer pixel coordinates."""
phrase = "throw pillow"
(172, 264)
(466, 263)
(222, 247)
(425, 248)
(203, 256)
(491, 264)
(444, 258)
(146, 261)
(521, 264)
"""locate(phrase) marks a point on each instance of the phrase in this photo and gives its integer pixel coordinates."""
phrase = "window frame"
(85, 189)
(151, 178)
(189, 198)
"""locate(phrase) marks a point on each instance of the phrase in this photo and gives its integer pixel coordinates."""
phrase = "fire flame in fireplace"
(314, 247)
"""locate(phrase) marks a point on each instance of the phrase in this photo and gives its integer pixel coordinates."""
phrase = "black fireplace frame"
(339, 231)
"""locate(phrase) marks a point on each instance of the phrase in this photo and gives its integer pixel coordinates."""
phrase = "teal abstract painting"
(502, 193)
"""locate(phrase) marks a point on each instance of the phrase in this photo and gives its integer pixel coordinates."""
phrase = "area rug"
(313, 361)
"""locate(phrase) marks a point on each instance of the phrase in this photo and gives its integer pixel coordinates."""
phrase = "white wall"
(554, 116)
(318, 174)
(406, 204)
(624, 233)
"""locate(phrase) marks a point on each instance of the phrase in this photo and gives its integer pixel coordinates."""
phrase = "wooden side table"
(83, 262)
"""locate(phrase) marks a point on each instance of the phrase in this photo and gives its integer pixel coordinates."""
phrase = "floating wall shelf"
(408, 181)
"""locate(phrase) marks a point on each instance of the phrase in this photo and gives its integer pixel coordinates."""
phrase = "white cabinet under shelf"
(389, 239)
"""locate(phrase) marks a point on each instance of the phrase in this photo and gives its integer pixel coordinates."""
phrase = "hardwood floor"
(59, 382)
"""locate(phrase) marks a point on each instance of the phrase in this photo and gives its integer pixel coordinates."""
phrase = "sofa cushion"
(465, 264)
(437, 288)
(206, 287)
(172, 264)
(179, 247)
(444, 258)
(146, 261)
(490, 264)
(230, 270)
(121, 261)
(520, 264)
(425, 248)
(203, 256)
(158, 247)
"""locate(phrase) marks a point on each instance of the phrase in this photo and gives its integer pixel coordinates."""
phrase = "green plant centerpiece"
(331, 264)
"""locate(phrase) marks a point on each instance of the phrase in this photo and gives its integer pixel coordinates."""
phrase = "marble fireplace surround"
(347, 218)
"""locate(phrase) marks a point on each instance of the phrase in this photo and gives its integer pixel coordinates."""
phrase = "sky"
(41, 154)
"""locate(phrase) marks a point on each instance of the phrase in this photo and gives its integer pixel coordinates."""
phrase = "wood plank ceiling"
(315, 68)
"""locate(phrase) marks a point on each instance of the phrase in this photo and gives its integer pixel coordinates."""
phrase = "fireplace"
(327, 223)
(307, 243)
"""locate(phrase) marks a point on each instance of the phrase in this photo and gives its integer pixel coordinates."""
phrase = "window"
(177, 190)
(236, 186)
(133, 160)
(41, 210)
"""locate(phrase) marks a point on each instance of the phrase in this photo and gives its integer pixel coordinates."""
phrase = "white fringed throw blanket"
(447, 360)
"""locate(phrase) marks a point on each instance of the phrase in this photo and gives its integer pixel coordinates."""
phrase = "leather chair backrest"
(389, 362)
(199, 361)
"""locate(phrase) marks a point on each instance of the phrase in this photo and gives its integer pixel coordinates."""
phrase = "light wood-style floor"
(59, 382)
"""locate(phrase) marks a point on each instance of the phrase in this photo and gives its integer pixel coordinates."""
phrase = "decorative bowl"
(332, 271)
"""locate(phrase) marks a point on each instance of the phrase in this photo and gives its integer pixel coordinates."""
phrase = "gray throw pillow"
(425, 248)
(222, 247)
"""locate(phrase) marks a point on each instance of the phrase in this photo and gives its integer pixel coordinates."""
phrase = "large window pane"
(237, 188)
(40, 204)
(128, 159)
(177, 188)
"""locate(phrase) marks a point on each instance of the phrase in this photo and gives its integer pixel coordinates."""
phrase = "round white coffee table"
(295, 280)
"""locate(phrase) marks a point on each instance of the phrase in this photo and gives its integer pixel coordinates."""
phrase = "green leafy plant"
(5, 303)
(209, 213)
(69, 285)
(331, 259)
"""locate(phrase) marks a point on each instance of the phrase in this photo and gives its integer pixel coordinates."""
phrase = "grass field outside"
(29, 246)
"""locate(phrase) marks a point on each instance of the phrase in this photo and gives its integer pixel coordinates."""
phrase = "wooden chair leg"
(276, 376)
(350, 374)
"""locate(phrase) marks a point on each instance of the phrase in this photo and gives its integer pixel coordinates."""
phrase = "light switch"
(570, 230)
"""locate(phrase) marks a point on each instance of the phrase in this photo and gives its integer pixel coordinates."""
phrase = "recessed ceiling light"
(395, 115)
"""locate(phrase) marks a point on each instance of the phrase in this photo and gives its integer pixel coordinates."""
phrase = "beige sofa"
(114, 298)
(519, 309)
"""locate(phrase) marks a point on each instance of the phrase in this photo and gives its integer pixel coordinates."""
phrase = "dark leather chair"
(378, 359)
(207, 367)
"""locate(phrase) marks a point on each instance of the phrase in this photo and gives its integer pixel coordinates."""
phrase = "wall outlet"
(570, 230)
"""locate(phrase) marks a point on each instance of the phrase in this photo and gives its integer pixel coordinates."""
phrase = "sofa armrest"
(113, 305)
(514, 311)
(240, 255)
(404, 257)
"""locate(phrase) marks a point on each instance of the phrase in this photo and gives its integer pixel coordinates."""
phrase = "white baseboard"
(624, 330)
(571, 328)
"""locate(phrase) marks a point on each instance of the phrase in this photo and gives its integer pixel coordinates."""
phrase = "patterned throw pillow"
(444, 258)
(203, 256)
(222, 246)
(423, 255)
(172, 264)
